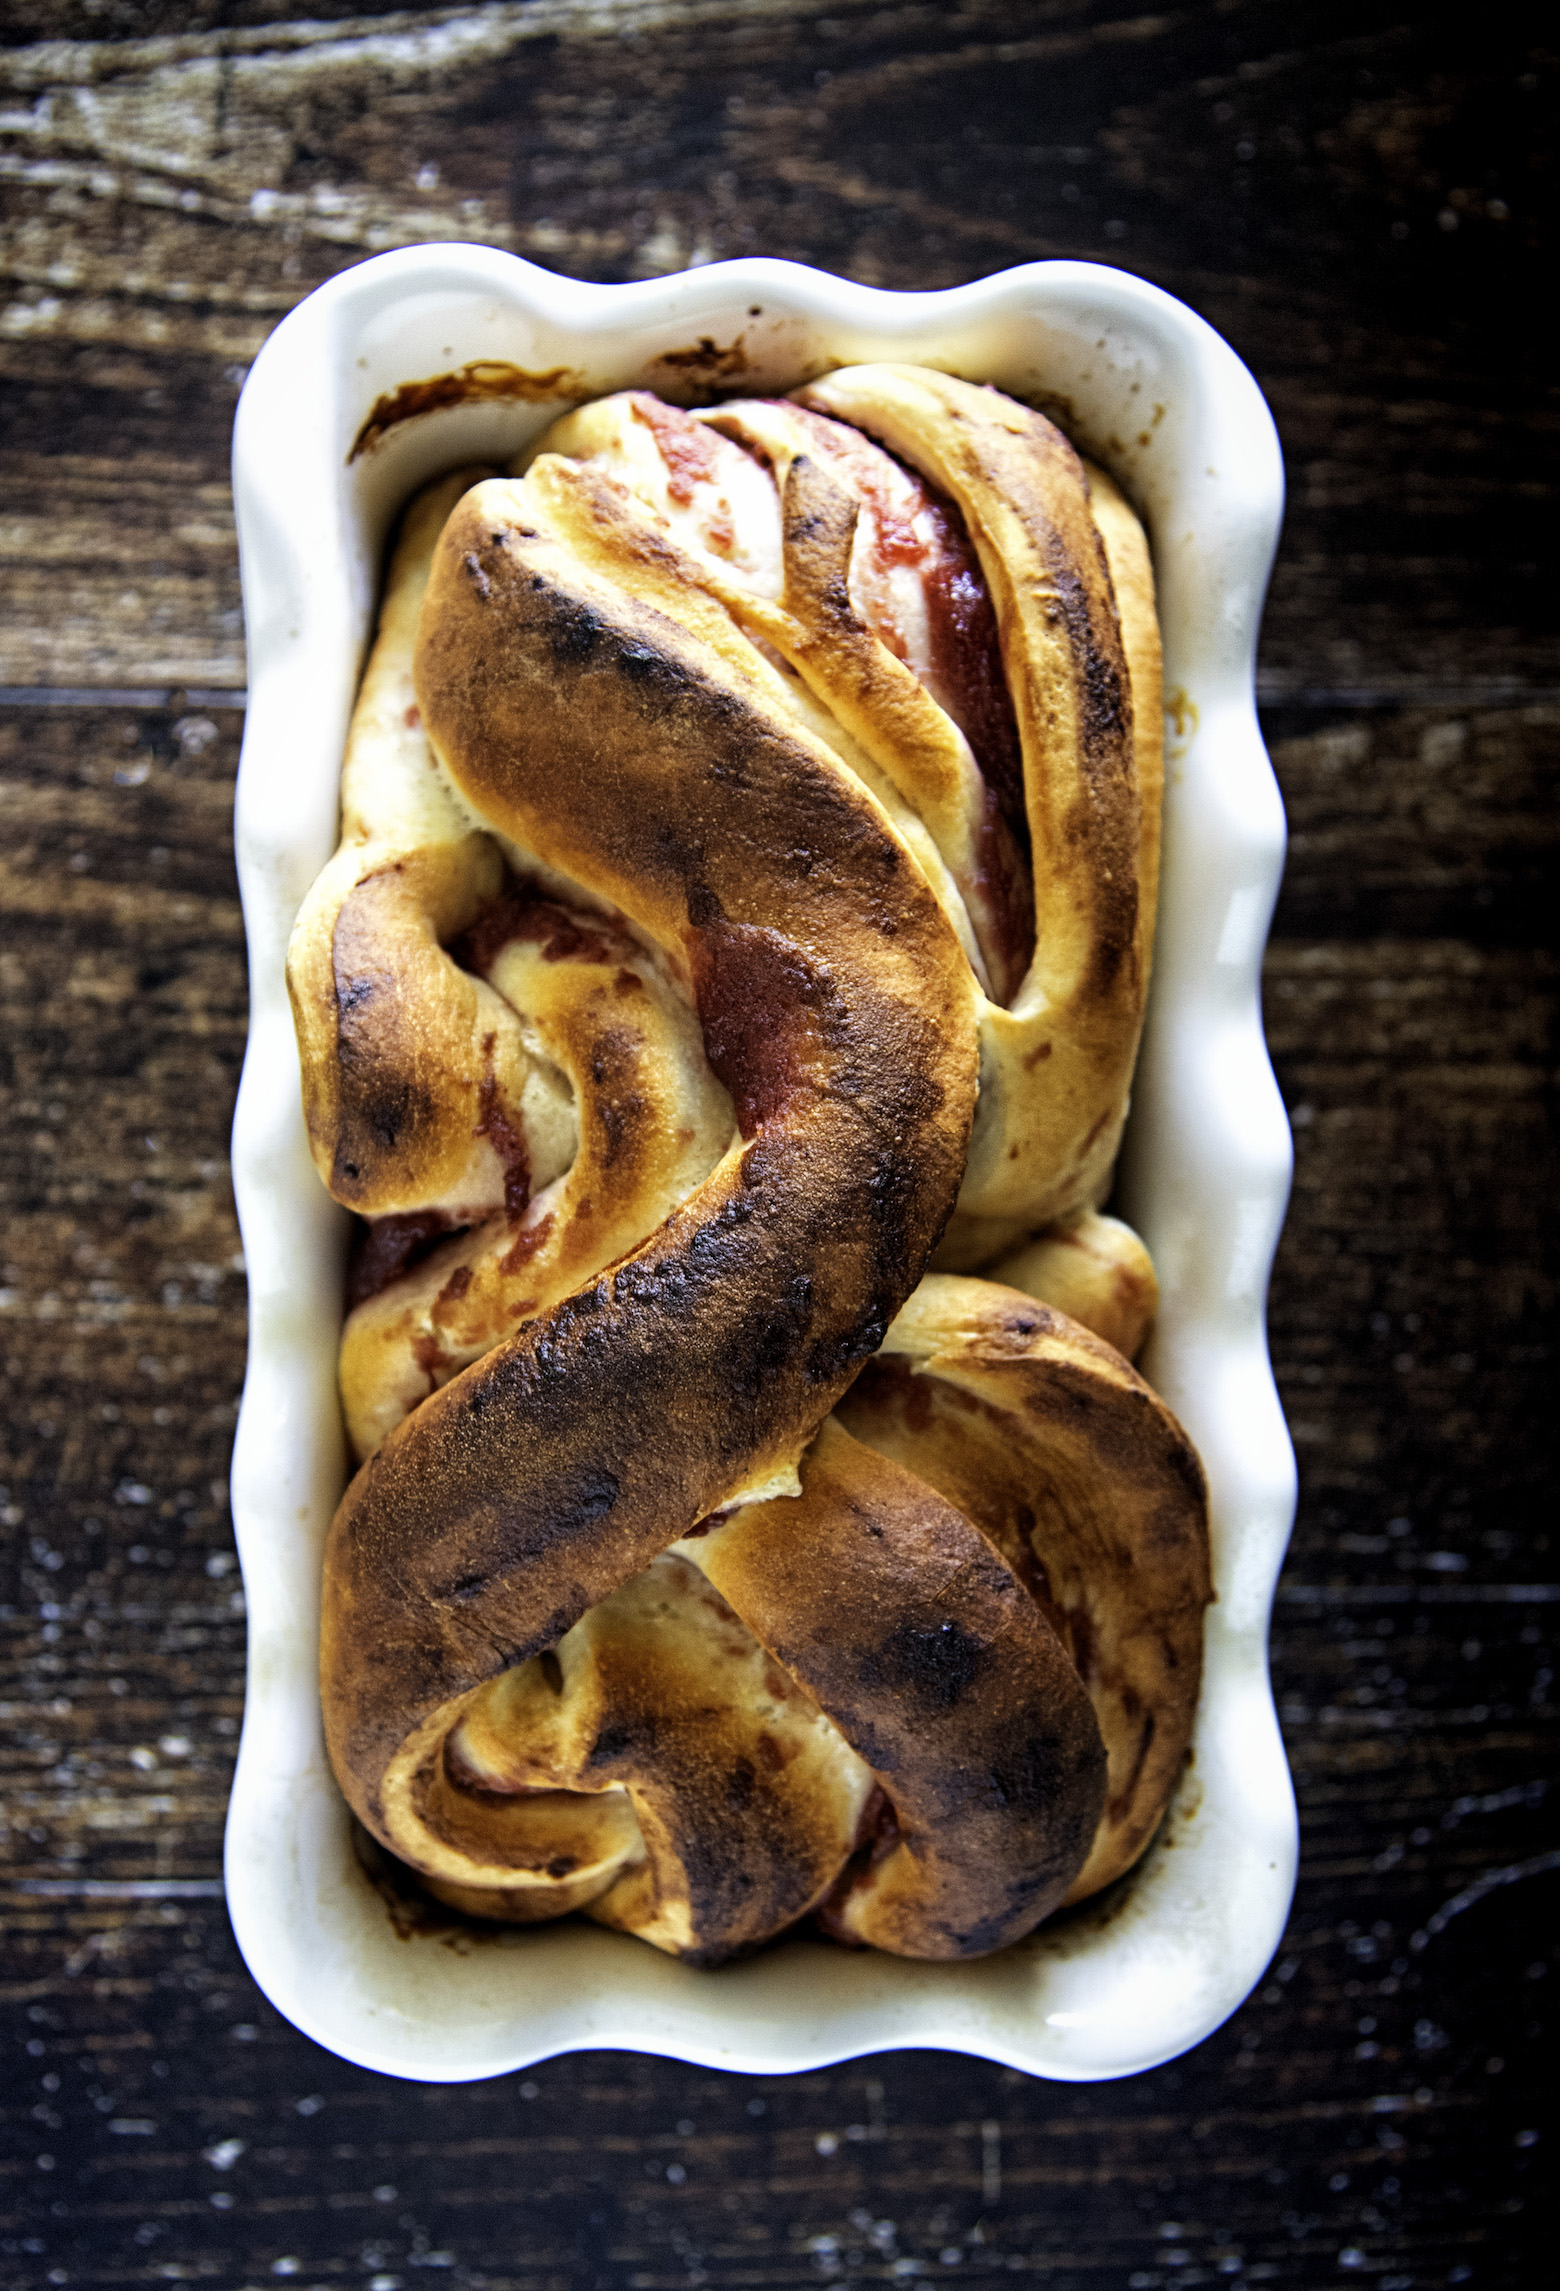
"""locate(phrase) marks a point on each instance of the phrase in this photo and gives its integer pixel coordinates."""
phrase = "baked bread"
(749, 846)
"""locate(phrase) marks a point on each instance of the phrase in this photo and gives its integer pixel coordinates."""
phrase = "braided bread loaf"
(746, 880)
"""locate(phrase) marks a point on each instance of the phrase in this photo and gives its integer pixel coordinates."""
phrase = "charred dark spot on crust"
(890, 1190)
(639, 662)
(835, 1356)
(381, 1103)
(591, 1499)
(353, 993)
(618, 1740)
(574, 632)
(934, 1663)
(778, 1340)
(659, 680)
(477, 576)
(1105, 715)
(559, 1512)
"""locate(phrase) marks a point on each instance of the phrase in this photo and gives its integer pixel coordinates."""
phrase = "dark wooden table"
(1356, 201)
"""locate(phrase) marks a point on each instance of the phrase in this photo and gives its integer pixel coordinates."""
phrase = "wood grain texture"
(1358, 203)
(1355, 208)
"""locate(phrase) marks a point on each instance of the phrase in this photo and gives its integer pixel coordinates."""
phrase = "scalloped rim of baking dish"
(1158, 1962)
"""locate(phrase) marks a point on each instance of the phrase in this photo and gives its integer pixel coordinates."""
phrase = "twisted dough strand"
(921, 1643)
(653, 765)
(648, 1121)
(1080, 1476)
(985, 1606)
(1056, 1065)
(1067, 570)
(403, 1053)
(658, 1768)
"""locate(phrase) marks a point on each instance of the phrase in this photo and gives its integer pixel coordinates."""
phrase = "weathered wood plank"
(1440, 822)
(1417, 1695)
(1358, 205)
(122, 994)
(164, 201)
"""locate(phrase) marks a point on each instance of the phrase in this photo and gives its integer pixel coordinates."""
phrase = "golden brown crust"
(989, 1606)
(649, 1121)
(686, 724)
(1056, 1064)
(397, 1044)
(924, 1648)
(1096, 1271)
(1057, 542)
(836, 1008)
(659, 1769)
(877, 698)
(1132, 584)
(1083, 1479)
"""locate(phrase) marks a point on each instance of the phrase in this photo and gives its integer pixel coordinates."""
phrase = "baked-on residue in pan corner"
(482, 381)
(706, 358)
(706, 371)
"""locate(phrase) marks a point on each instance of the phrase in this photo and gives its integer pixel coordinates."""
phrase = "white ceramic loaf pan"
(1151, 391)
